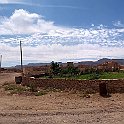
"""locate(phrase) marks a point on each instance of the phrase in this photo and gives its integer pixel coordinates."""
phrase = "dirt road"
(59, 108)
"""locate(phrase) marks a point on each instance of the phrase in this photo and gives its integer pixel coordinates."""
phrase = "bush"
(33, 87)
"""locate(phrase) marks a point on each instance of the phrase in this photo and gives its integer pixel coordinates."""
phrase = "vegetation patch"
(93, 76)
(15, 89)
(85, 73)
(112, 75)
(40, 93)
(23, 90)
(104, 75)
(32, 89)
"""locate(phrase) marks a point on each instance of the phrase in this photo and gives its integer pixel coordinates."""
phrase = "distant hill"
(32, 64)
(91, 63)
(119, 61)
(38, 64)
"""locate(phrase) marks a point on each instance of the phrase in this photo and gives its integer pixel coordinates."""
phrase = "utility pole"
(21, 58)
(0, 62)
(19, 79)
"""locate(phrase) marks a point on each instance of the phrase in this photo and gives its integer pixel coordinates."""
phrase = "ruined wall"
(113, 86)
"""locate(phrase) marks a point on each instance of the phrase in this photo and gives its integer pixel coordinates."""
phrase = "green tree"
(70, 71)
(55, 68)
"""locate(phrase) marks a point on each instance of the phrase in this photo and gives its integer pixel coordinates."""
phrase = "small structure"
(121, 67)
(103, 89)
(109, 66)
(84, 68)
(70, 64)
(18, 80)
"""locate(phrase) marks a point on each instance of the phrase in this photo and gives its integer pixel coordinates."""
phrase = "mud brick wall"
(113, 86)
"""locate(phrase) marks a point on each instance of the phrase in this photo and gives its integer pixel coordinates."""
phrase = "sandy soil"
(59, 108)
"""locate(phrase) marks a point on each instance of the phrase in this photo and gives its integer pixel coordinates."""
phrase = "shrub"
(33, 87)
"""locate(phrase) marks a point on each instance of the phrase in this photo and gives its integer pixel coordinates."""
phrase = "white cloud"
(58, 52)
(3, 1)
(21, 2)
(23, 22)
(118, 24)
(43, 41)
(10, 1)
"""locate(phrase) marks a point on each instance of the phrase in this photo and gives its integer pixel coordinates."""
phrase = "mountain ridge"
(91, 63)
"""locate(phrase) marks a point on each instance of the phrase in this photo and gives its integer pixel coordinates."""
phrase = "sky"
(61, 30)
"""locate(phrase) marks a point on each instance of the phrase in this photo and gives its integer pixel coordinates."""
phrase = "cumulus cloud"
(43, 41)
(23, 22)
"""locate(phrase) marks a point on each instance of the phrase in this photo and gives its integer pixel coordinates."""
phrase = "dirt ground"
(59, 107)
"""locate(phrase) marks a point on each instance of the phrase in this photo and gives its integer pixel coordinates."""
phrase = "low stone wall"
(113, 86)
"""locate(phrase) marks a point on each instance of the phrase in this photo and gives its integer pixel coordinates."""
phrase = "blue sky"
(61, 30)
